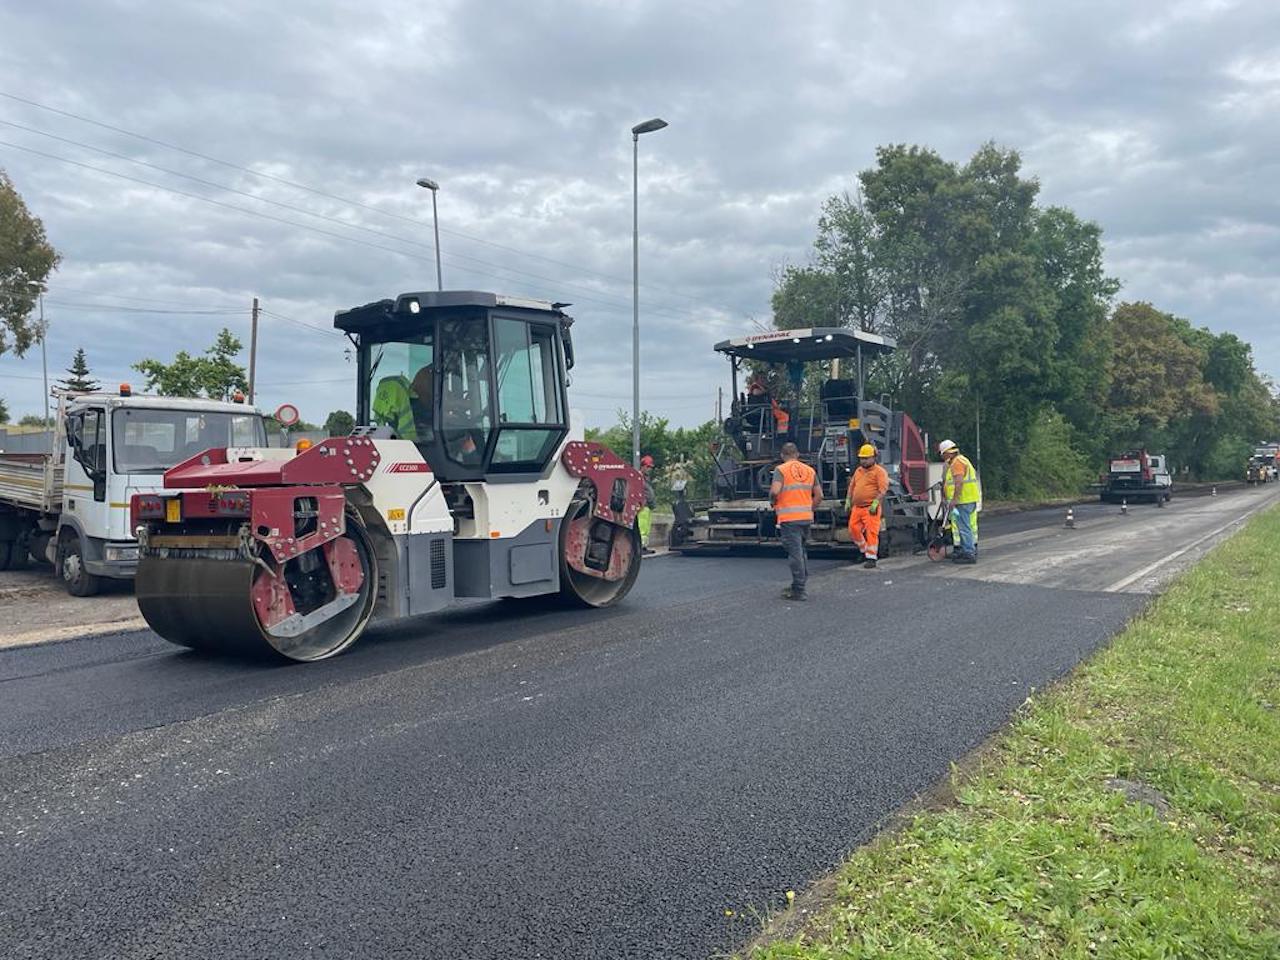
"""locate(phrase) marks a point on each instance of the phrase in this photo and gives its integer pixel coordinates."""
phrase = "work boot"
(791, 593)
(871, 563)
(965, 558)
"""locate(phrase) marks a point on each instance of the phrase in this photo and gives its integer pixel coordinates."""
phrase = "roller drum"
(615, 552)
(216, 605)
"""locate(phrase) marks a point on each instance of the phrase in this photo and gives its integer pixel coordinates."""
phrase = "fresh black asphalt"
(506, 780)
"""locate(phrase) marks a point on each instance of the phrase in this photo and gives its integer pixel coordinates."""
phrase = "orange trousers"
(864, 529)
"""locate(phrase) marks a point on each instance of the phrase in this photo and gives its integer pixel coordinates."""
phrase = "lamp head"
(649, 126)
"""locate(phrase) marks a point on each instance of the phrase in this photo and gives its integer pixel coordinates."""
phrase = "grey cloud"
(1156, 120)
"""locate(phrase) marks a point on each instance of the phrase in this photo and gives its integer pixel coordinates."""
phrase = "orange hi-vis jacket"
(795, 501)
(781, 419)
(868, 483)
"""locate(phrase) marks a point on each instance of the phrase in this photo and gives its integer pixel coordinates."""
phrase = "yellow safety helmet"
(866, 450)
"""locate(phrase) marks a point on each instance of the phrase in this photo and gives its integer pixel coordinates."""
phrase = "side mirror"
(567, 339)
(72, 427)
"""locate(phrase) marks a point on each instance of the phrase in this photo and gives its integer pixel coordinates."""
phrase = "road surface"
(511, 780)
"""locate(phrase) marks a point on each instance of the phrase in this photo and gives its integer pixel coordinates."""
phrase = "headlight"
(121, 554)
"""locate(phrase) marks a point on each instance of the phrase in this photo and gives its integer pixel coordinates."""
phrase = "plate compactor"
(467, 480)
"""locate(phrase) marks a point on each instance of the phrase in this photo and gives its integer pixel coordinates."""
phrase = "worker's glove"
(874, 507)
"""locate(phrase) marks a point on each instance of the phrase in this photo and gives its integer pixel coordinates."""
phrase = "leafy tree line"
(1006, 325)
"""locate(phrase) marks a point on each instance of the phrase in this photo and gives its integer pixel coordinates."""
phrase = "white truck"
(71, 506)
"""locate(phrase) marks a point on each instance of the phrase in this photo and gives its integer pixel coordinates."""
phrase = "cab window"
(402, 387)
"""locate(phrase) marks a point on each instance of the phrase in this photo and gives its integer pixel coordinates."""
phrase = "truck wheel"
(7, 550)
(78, 581)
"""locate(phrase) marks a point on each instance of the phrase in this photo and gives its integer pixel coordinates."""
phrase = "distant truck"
(1137, 475)
(1268, 455)
(71, 506)
(1259, 470)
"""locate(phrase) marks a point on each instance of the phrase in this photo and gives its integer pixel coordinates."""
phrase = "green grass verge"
(1037, 856)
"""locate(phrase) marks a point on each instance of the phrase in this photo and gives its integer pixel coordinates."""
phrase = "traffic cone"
(1071, 519)
(1124, 506)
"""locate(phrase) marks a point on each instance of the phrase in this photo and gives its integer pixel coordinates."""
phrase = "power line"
(116, 308)
(278, 203)
(301, 323)
(119, 296)
(329, 233)
(332, 196)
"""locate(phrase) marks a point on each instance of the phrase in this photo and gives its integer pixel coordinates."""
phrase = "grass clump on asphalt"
(1133, 811)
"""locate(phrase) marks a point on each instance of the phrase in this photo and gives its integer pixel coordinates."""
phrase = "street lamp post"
(435, 219)
(649, 126)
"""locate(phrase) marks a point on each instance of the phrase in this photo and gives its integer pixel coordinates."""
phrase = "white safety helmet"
(946, 445)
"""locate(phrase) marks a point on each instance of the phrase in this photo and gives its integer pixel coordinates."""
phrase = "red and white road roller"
(467, 478)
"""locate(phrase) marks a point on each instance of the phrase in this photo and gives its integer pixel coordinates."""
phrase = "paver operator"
(794, 494)
(962, 494)
(867, 488)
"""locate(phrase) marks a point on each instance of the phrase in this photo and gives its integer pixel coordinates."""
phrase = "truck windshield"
(152, 441)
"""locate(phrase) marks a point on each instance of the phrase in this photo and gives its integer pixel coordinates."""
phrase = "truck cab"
(71, 506)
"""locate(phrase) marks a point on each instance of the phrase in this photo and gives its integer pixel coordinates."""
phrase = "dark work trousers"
(795, 537)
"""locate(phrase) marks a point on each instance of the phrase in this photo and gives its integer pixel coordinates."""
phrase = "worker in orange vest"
(781, 419)
(795, 493)
(867, 488)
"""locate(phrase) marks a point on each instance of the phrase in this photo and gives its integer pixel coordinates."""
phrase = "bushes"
(1049, 465)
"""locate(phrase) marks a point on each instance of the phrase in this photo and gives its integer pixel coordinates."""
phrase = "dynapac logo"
(408, 468)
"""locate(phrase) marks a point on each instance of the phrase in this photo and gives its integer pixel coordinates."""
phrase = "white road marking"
(1152, 567)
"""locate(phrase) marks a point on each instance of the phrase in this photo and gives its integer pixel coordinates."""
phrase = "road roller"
(467, 478)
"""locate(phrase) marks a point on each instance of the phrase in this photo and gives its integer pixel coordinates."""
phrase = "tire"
(7, 549)
(78, 581)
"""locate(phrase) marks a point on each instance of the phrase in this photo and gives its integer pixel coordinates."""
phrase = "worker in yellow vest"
(867, 487)
(795, 493)
(962, 493)
(644, 518)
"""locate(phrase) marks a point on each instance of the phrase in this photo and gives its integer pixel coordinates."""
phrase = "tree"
(78, 379)
(26, 260)
(1155, 375)
(4, 411)
(35, 420)
(214, 375)
(339, 424)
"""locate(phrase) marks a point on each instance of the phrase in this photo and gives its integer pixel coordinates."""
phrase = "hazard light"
(302, 445)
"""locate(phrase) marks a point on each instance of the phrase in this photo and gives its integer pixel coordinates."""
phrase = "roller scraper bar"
(338, 460)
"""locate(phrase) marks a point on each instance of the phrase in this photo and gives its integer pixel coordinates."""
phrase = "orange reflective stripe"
(795, 501)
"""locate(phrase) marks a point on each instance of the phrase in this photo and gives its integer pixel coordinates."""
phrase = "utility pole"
(253, 350)
(977, 431)
(719, 406)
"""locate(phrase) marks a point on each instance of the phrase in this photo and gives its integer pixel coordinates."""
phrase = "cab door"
(85, 480)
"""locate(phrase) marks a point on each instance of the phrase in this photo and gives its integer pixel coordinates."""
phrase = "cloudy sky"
(303, 126)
